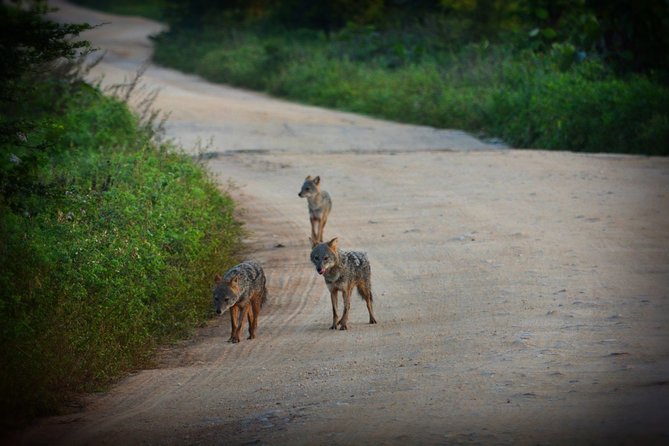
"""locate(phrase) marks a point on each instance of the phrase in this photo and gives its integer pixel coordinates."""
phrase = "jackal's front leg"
(333, 297)
(315, 235)
(321, 228)
(234, 318)
(243, 314)
(343, 322)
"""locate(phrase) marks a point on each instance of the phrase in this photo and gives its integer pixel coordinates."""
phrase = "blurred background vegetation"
(109, 238)
(582, 75)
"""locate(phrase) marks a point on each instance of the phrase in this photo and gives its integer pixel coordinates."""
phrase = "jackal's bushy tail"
(365, 289)
(263, 297)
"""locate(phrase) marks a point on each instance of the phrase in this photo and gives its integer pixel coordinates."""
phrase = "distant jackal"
(319, 203)
(343, 271)
(242, 290)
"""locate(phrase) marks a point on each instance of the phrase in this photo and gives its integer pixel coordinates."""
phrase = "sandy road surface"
(522, 296)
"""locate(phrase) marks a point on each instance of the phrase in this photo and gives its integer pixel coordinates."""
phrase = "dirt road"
(522, 296)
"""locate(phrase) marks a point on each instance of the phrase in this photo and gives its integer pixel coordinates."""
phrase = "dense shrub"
(113, 259)
(547, 100)
(108, 239)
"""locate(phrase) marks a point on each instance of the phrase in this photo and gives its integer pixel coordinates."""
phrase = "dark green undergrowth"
(116, 258)
(108, 239)
(529, 99)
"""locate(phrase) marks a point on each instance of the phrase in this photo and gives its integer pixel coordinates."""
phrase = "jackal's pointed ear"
(332, 244)
(308, 178)
(317, 180)
(234, 283)
(217, 278)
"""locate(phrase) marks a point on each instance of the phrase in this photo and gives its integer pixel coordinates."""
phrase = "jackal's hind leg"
(366, 294)
(251, 316)
(255, 309)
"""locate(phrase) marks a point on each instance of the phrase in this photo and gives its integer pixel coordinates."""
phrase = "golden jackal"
(319, 203)
(242, 289)
(343, 271)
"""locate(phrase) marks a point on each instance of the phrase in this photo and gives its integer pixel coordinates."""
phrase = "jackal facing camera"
(343, 271)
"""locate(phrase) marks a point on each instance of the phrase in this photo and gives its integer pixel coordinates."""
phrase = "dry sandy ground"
(522, 296)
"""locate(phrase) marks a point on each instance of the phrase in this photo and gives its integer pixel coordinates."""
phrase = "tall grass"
(556, 99)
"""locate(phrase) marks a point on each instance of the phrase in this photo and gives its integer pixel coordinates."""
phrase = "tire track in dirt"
(291, 291)
(290, 288)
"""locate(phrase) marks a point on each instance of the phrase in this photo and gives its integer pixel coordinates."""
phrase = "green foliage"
(95, 277)
(27, 42)
(329, 15)
(564, 74)
(108, 241)
(570, 110)
(550, 100)
(30, 47)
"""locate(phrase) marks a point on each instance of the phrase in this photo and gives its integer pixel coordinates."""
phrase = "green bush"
(108, 240)
(529, 99)
(115, 259)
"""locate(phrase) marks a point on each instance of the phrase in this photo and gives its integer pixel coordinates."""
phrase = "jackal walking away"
(343, 271)
(242, 290)
(319, 203)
